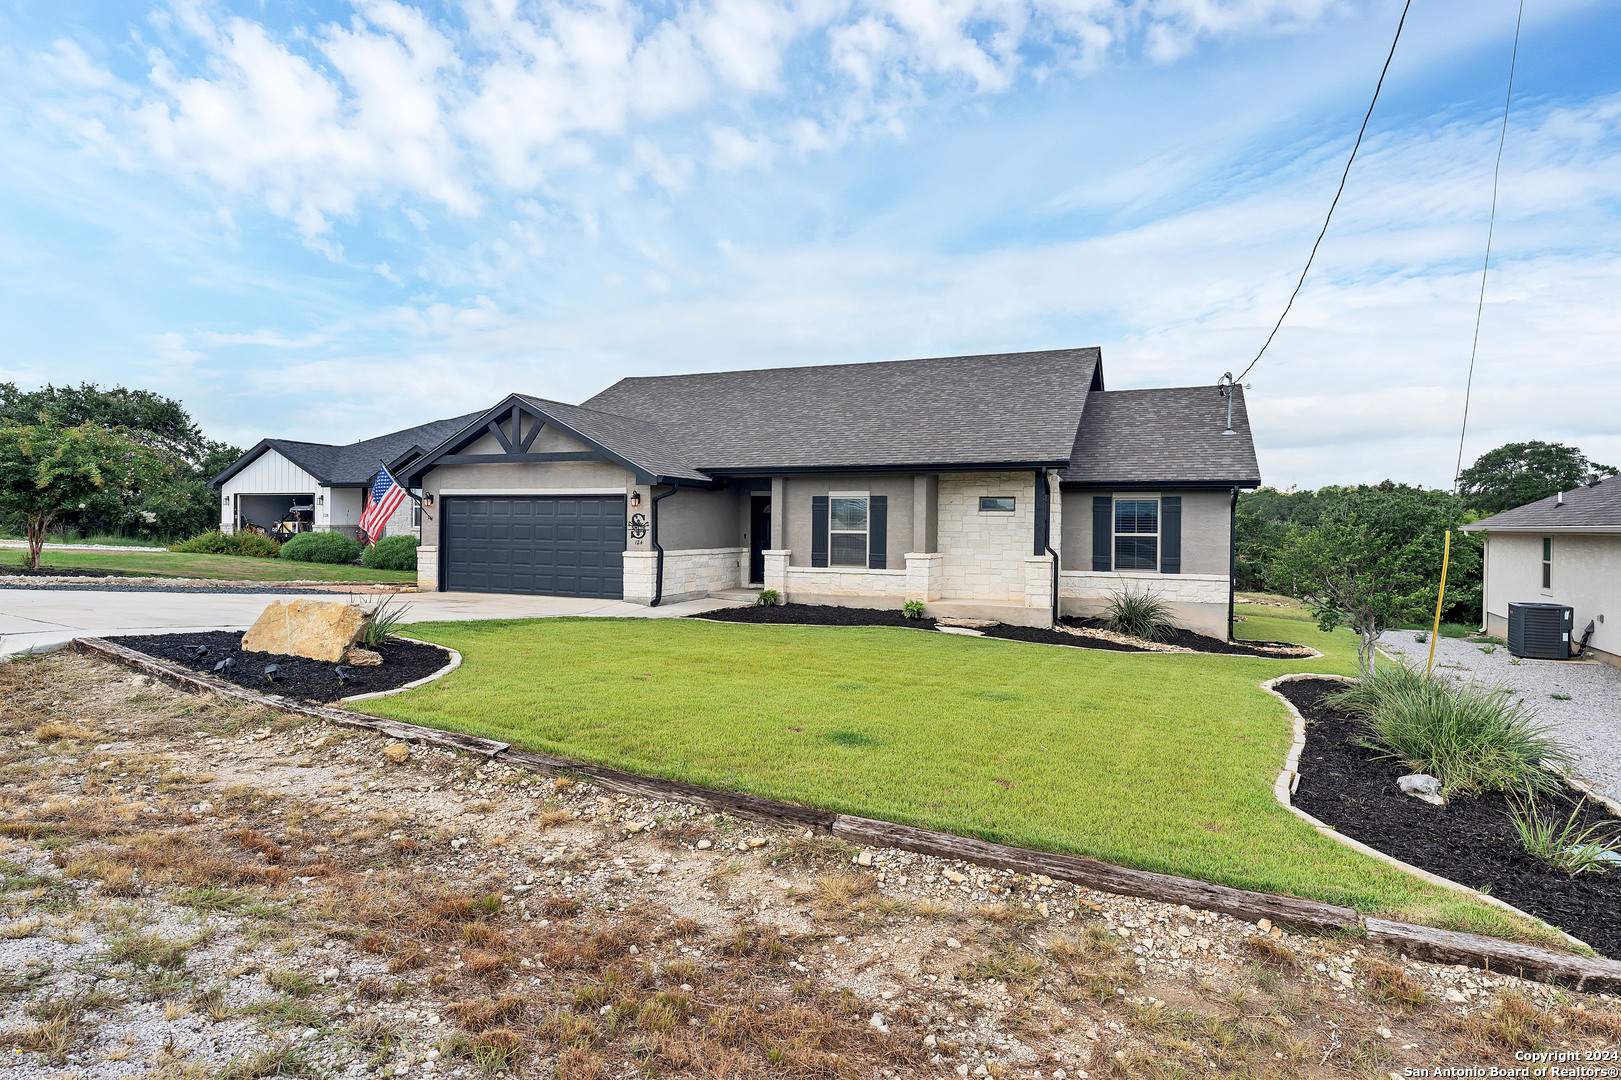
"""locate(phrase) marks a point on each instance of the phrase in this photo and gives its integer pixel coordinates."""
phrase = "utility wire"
(1383, 71)
(1480, 304)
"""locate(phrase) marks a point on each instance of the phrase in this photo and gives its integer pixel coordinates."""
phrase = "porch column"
(779, 513)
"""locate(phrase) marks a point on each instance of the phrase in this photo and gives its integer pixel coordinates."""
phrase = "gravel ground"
(1581, 701)
(192, 888)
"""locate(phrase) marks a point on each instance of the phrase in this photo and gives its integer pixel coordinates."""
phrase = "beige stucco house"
(1009, 486)
(1565, 549)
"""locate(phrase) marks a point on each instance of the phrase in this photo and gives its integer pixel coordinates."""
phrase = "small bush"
(768, 598)
(214, 542)
(381, 621)
(321, 547)
(1472, 739)
(1140, 614)
(391, 553)
(912, 609)
(1564, 846)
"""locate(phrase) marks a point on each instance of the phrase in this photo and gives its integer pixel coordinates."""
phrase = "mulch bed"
(830, 615)
(1470, 840)
(298, 677)
(816, 615)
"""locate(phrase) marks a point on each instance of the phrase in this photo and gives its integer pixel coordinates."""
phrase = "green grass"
(1164, 762)
(226, 567)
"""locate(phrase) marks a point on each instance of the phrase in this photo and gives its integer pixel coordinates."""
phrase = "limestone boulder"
(318, 629)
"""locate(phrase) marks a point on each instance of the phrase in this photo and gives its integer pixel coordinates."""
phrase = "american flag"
(385, 498)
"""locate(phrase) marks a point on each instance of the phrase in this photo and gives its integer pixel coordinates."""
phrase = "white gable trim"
(271, 474)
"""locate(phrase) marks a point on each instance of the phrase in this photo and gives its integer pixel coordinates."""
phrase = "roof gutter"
(658, 562)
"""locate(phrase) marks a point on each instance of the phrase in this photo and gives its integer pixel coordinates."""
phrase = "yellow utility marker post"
(1446, 555)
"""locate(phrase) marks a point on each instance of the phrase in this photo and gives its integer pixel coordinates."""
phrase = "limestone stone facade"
(983, 552)
(1197, 602)
(687, 574)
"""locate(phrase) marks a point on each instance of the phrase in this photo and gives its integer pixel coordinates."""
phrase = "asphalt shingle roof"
(351, 463)
(1163, 436)
(1595, 507)
(960, 410)
(637, 441)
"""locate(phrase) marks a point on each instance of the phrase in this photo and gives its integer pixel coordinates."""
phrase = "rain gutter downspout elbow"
(658, 563)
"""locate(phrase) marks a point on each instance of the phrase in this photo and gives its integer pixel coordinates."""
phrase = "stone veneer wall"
(834, 584)
(1198, 602)
(983, 554)
(428, 568)
(687, 574)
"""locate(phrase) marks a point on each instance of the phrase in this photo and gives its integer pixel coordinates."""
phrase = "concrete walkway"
(36, 619)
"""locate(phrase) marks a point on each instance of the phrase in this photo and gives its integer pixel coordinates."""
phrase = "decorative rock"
(877, 1022)
(954, 877)
(864, 859)
(953, 943)
(757, 842)
(1421, 786)
(358, 657)
(705, 845)
(317, 629)
(396, 752)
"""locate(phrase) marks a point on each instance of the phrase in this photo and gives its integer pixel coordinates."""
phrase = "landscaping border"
(455, 662)
(1526, 961)
(1289, 779)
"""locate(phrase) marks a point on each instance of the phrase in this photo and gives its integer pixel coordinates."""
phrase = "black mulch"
(298, 677)
(1470, 841)
(1043, 636)
(816, 615)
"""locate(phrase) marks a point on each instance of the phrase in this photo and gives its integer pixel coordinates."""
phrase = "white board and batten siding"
(269, 474)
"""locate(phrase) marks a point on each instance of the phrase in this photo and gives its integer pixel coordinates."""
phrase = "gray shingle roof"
(350, 463)
(1003, 408)
(1597, 507)
(1163, 436)
(636, 441)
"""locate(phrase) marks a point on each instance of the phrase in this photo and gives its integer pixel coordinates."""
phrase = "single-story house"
(1565, 549)
(1010, 487)
(328, 481)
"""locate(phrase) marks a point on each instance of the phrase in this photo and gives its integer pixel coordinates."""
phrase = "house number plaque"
(638, 526)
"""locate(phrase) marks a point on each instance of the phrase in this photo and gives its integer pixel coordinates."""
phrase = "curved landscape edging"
(455, 662)
(1420, 942)
(1289, 779)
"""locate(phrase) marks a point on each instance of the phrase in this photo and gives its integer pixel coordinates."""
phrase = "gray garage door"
(551, 545)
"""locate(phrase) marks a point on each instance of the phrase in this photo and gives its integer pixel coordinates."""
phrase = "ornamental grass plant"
(1473, 739)
(1140, 614)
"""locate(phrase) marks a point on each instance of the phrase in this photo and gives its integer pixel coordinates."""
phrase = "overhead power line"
(1330, 216)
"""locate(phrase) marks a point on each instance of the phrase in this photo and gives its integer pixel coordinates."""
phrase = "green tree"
(47, 469)
(177, 504)
(1372, 560)
(1520, 473)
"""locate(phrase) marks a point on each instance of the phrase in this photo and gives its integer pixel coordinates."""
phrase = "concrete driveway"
(34, 619)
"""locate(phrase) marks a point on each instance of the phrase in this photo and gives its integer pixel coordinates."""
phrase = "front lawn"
(223, 567)
(1159, 761)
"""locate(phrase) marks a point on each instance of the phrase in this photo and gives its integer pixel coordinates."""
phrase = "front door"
(759, 536)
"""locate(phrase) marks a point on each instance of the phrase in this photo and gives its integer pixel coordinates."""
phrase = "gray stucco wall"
(699, 518)
(1206, 529)
(898, 487)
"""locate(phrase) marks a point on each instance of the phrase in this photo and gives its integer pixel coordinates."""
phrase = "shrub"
(1140, 614)
(322, 547)
(1473, 739)
(912, 609)
(214, 542)
(381, 621)
(1568, 846)
(391, 553)
(768, 598)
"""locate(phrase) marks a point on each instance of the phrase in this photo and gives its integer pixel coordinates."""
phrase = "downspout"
(1047, 479)
(1232, 560)
(658, 564)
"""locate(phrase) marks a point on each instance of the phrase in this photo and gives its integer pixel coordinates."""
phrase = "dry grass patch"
(1388, 984)
(841, 890)
(1270, 951)
(485, 1013)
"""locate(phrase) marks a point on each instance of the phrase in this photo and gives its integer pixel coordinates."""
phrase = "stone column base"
(428, 568)
(776, 571)
(923, 575)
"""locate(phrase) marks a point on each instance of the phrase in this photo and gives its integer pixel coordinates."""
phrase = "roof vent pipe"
(1560, 501)
(1225, 384)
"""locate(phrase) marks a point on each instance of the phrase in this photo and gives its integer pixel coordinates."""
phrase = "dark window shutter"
(1102, 533)
(1170, 534)
(877, 531)
(819, 530)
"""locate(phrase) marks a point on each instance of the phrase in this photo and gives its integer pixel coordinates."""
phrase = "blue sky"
(324, 221)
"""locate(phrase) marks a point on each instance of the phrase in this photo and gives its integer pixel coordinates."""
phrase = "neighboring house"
(956, 481)
(1565, 549)
(261, 486)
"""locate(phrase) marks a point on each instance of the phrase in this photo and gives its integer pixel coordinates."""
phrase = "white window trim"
(865, 534)
(1546, 563)
(1159, 512)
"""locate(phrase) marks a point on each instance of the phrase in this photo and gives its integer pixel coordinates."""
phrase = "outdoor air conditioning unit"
(1541, 631)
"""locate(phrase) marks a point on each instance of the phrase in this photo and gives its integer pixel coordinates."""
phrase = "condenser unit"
(1541, 631)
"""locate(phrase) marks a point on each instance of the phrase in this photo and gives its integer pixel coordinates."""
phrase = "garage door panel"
(548, 545)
